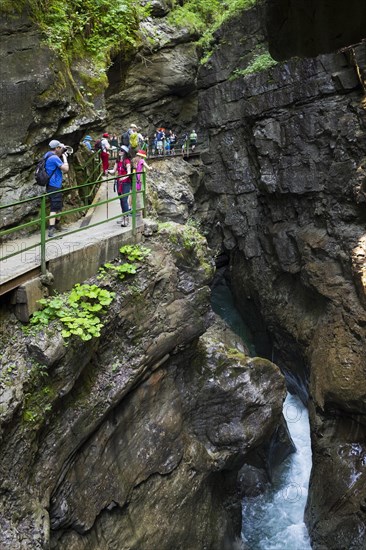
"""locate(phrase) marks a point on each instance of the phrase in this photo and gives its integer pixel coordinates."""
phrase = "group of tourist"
(125, 168)
(164, 142)
(129, 164)
(130, 154)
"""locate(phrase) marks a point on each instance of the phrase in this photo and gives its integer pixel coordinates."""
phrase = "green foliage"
(205, 17)
(118, 270)
(77, 27)
(133, 253)
(38, 404)
(260, 62)
(195, 14)
(39, 395)
(78, 311)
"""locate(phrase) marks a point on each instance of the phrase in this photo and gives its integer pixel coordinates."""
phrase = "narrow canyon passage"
(274, 519)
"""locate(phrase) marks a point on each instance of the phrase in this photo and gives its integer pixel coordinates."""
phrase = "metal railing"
(181, 147)
(43, 219)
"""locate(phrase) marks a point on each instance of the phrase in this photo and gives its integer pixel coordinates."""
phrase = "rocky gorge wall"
(285, 172)
(134, 439)
(39, 100)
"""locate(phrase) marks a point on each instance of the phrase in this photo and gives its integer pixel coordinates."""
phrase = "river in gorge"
(274, 520)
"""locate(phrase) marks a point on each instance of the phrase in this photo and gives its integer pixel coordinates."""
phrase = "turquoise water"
(274, 520)
(222, 303)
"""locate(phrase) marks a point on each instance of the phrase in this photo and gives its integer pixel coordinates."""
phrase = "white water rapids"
(274, 520)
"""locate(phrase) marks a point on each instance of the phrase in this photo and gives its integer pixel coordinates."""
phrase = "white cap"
(55, 143)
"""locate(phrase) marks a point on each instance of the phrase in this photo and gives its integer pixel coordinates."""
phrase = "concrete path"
(65, 242)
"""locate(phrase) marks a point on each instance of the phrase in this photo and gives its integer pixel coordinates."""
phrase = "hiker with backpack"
(193, 139)
(56, 165)
(134, 140)
(87, 143)
(123, 183)
(125, 137)
(160, 139)
(139, 165)
(173, 141)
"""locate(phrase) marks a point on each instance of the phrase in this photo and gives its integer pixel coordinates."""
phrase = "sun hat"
(55, 143)
(133, 126)
(124, 148)
(141, 153)
(88, 138)
(106, 135)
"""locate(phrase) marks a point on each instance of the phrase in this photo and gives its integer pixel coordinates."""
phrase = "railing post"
(143, 179)
(43, 234)
(134, 204)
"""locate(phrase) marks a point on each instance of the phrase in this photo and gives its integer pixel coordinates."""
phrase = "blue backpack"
(40, 174)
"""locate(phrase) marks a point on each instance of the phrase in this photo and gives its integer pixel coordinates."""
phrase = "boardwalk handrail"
(182, 147)
(43, 219)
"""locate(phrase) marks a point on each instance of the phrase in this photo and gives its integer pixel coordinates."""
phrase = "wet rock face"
(284, 179)
(158, 87)
(172, 188)
(38, 102)
(338, 508)
(310, 27)
(134, 440)
(162, 456)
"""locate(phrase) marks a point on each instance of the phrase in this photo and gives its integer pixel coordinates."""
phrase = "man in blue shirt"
(87, 143)
(56, 165)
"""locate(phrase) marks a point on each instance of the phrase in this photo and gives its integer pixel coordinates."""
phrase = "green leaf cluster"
(78, 311)
(78, 27)
(260, 62)
(118, 270)
(195, 14)
(133, 253)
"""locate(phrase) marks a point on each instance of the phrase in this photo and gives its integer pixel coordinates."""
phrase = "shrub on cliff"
(76, 28)
(206, 16)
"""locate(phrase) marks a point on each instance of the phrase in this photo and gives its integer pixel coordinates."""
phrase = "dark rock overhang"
(306, 28)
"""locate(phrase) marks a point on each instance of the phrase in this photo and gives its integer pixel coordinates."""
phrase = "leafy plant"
(205, 17)
(134, 252)
(261, 62)
(78, 27)
(79, 311)
(120, 271)
(195, 14)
